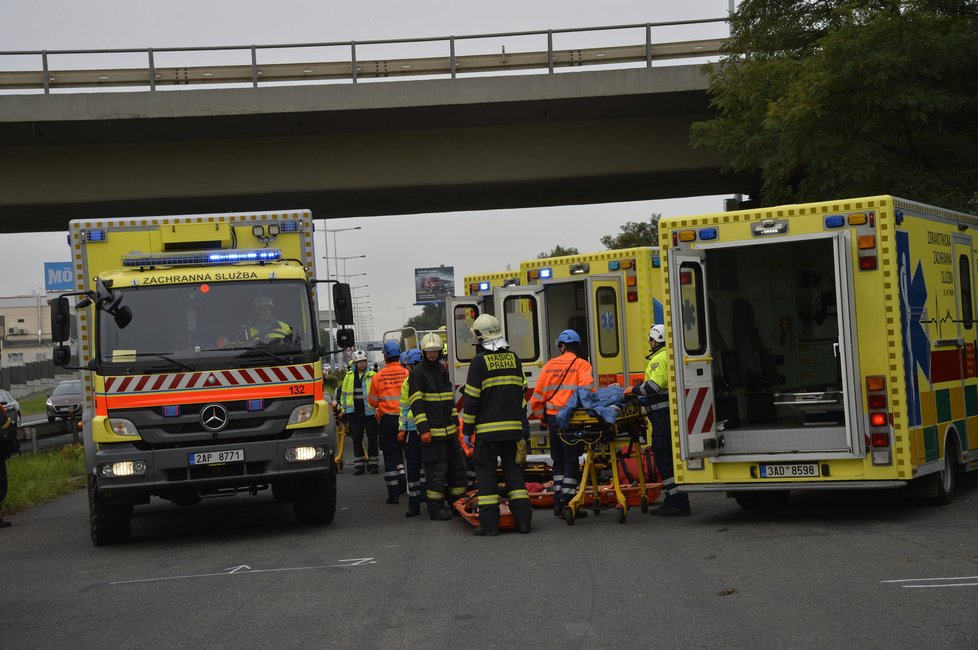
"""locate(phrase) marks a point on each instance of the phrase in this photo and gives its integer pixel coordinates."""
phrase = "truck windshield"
(188, 325)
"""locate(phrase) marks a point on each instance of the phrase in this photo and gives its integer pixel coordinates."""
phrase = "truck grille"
(230, 470)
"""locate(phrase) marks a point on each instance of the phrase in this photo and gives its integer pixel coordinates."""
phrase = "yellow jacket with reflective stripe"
(432, 400)
(495, 404)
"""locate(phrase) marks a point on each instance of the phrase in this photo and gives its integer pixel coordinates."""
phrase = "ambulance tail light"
(880, 437)
(632, 296)
(867, 263)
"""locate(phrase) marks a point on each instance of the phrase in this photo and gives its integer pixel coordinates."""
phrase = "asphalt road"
(829, 570)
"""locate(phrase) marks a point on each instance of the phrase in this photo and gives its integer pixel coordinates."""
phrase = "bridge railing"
(41, 75)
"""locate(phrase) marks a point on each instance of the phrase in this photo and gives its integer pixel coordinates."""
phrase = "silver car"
(65, 401)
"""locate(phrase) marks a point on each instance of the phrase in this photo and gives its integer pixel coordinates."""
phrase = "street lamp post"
(332, 307)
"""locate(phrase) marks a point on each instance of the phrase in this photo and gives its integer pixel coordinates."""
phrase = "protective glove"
(401, 435)
(426, 438)
(520, 452)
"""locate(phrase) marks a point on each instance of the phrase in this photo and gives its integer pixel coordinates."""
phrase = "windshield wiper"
(165, 357)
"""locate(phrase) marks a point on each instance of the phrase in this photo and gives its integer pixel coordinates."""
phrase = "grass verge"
(36, 478)
(34, 403)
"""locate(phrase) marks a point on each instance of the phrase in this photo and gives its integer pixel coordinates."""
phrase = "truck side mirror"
(343, 304)
(60, 319)
(61, 355)
(345, 339)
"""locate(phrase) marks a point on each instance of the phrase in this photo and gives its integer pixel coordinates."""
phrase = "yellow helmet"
(431, 341)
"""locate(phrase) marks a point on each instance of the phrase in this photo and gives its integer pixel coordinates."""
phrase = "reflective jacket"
(432, 400)
(406, 422)
(495, 404)
(385, 389)
(558, 380)
(656, 381)
(350, 391)
(270, 331)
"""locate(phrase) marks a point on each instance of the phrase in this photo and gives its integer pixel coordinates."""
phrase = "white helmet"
(431, 341)
(658, 333)
(488, 333)
(486, 328)
(358, 355)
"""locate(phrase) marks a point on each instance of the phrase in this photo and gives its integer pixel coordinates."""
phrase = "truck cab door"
(461, 312)
(607, 336)
(692, 354)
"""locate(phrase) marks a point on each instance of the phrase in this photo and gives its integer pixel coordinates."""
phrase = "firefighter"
(495, 412)
(359, 414)
(408, 436)
(559, 379)
(263, 326)
(654, 390)
(385, 396)
(433, 409)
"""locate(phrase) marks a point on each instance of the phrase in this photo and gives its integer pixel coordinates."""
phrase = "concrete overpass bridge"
(358, 149)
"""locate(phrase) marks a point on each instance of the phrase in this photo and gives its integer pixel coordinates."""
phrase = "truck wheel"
(315, 499)
(761, 499)
(281, 491)
(945, 479)
(109, 522)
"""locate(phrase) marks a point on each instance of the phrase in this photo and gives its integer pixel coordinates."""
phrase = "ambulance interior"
(565, 308)
(774, 334)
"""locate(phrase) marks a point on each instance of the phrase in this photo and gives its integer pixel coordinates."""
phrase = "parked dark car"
(65, 401)
(11, 406)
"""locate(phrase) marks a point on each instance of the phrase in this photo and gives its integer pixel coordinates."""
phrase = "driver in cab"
(263, 326)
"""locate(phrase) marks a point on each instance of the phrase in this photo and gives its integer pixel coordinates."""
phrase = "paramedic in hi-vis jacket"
(495, 413)
(384, 395)
(676, 504)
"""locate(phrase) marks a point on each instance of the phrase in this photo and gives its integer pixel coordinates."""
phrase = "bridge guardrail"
(353, 69)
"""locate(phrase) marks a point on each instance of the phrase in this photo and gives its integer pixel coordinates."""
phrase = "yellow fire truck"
(822, 345)
(607, 297)
(199, 346)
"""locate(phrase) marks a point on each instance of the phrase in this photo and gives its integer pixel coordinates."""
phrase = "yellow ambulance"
(821, 345)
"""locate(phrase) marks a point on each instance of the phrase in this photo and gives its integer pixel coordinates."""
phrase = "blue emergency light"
(198, 258)
(290, 226)
(706, 234)
(546, 273)
(835, 221)
(95, 235)
(483, 286)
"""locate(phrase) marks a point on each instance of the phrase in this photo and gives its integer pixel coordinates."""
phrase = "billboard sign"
(58, 276)
(432, 285)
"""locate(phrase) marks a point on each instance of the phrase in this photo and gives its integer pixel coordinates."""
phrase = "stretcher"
(468, 507)
(542, 494)
(601, 442)
(340, 439)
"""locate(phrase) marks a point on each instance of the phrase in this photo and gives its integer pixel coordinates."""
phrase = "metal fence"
(350, 68)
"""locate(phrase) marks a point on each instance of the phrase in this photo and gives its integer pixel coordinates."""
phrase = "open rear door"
(692, 354)
(608, 340)
(461, 313)
(522, 312)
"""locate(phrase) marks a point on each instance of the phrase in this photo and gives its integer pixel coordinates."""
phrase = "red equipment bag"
(628, 469)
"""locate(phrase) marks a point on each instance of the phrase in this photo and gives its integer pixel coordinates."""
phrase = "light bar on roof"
(202, 258)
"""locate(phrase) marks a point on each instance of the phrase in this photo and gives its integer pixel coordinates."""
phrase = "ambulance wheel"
(621, 515)
(645, 505)
(945, 478)
(569, 516)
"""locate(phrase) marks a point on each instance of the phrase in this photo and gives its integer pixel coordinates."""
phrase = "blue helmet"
(391, 349)
(411, 357)
(568, 336)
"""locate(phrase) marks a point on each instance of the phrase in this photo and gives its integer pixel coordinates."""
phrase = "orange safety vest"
(385, 389)
(559, 379)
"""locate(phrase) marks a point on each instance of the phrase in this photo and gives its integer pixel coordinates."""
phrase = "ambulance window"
(520, 316)
(463, 316)
(693, 309)
(607, 325)
(967, 311)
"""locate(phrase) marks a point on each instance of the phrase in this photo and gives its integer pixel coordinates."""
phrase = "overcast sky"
(472, 242)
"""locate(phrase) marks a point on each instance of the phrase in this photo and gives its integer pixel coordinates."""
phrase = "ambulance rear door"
(461, 312)
(608, 338)
(522, 312)
(692, 355)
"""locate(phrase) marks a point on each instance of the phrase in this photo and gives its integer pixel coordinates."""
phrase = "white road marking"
(947, 582)
(243, 569)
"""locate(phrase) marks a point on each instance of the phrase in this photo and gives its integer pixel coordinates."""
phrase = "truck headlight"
(123, 427)
(301, 414)
(303, 454)
(121, 468)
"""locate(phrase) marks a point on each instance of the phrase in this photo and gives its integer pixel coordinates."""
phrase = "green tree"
(635, 233)
(833, 98)
(559, 251)
(431, 318)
